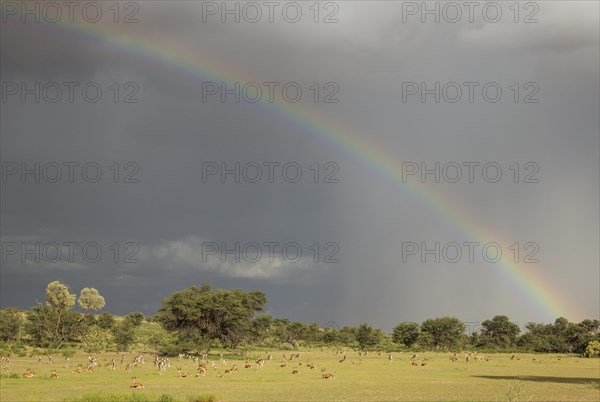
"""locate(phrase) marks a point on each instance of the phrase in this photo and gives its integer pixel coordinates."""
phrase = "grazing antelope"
(259, 364)
(122, 359)
(49, 359)
(283, 365)
(139, 360)
(343, 359)
(182, 374)
(54, 375)
(113, 364)
(67, 361)
(136, 385)
(28, 374)
(270, 357)
(5, 360)
(39, 360)
(390, 358)
(129, 367)
(513, 357)
(413, 357)
(162, 366)
(468, 358)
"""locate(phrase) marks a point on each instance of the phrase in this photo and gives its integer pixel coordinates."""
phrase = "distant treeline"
(198, 319)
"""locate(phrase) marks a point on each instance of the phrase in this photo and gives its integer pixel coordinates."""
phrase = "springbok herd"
(202, 365)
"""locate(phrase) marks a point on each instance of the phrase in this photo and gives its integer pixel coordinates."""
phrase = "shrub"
(592, 349)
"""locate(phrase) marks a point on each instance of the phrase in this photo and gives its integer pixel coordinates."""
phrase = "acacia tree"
(199, 315)
(406, 333)
(444, 332)
(53, 323)
(368, 337)
(90, 299)
(499, 332)
(10, 324)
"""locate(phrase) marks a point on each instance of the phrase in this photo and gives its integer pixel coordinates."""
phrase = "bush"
(592, 349)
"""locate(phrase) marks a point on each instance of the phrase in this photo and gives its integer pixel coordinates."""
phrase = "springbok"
(67, 361)
(135, 384)
(201, 371)
(28, 374)
(294, 371)
(327, 376)
(182, 374)
(390, 358)
(162, 366)
(54, 375)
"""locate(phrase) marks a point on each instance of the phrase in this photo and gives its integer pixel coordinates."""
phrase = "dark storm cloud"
(169, 212)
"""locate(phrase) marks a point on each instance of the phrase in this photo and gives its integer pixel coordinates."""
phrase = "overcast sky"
(170, 217)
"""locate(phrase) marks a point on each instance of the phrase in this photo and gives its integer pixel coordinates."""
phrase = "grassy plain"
(532, 377)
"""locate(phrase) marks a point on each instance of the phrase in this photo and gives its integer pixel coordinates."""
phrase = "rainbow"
(549, 301)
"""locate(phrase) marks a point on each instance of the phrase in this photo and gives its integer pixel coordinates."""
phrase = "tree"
(106, 321)
(368, 337)
(90, 299)
(59, 297)
(53, 323)
(499, 332)
(10, 324)
(292, 332)
(199, 315)
(124, 331)
(444, 332)
(592, 349)
(406, 333)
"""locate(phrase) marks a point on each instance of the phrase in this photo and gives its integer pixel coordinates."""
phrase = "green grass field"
(370, 378)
